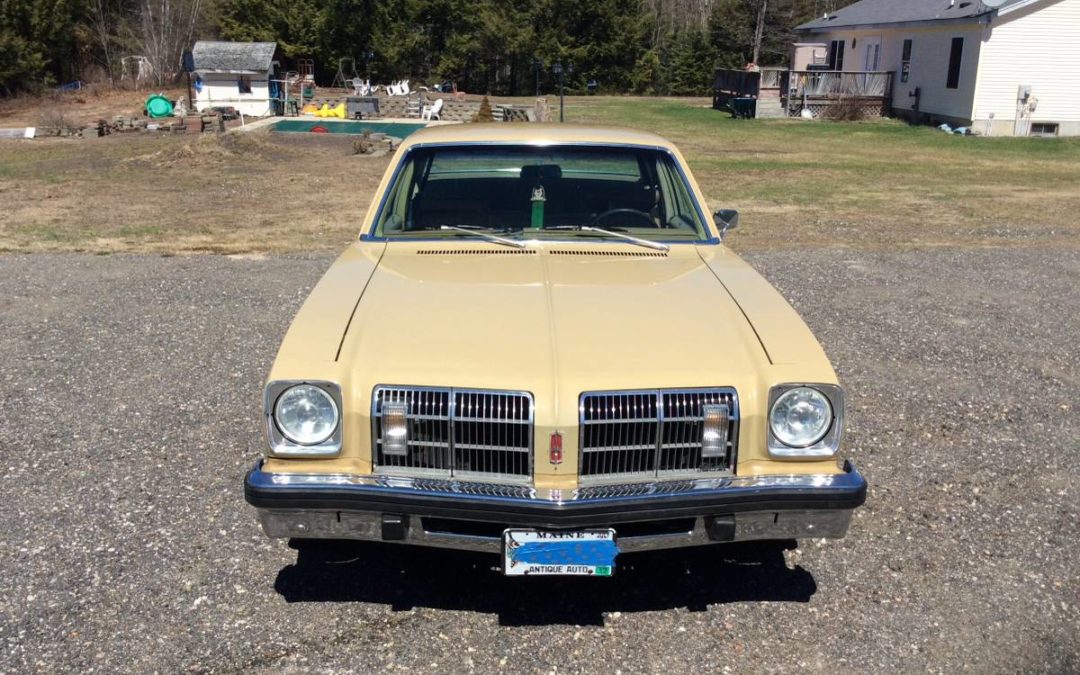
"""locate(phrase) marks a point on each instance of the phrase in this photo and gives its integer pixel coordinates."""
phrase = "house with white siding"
(235, 75)
(1001, 67)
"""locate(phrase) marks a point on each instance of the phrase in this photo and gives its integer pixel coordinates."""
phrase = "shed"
(1004, 67)
(235, 74)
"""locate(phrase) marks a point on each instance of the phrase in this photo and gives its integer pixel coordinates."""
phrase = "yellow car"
(539, 347)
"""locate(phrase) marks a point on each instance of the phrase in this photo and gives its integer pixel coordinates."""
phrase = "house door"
(872, 54)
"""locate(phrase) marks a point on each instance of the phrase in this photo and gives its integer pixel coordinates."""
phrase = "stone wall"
(453, 109)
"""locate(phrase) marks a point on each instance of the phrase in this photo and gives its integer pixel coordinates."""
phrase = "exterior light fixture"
(714, 430)
(395, 428)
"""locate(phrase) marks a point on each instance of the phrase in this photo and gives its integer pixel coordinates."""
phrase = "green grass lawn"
(880, 182)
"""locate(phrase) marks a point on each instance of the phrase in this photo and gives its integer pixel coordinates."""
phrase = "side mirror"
(726, 219)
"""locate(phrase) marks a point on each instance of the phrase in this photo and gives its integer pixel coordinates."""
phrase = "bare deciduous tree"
(167, 28)
(102, 22)
(111, 29)
(759, 29)
(680, 15)
(827, 6)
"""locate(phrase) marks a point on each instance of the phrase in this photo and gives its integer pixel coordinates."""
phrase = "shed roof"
(881, 12)
(233, 57)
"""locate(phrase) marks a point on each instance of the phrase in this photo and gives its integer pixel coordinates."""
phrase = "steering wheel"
(613, 212)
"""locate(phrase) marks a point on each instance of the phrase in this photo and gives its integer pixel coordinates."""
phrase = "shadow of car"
(694, 578)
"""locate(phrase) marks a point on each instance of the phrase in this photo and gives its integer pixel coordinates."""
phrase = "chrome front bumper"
(464, 515)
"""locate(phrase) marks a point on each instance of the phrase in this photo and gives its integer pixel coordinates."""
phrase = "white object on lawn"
(433, 111)
(28, 132)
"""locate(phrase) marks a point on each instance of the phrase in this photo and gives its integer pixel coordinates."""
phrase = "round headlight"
(306, 414)
(801, 417)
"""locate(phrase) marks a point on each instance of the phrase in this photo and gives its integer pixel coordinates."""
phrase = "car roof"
(531, 133)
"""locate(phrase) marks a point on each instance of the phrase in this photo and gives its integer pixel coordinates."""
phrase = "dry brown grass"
(220, 194)
(81, 107)
(872, 184)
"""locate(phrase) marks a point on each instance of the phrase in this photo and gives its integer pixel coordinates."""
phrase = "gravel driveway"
(129, 412)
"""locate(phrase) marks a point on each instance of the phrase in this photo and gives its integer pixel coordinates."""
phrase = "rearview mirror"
(535, 172)
(726, 219)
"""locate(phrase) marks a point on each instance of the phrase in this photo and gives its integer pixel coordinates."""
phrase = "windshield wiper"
(483, 234)
(656, 245)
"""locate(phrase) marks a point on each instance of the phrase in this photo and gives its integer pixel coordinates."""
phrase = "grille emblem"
(555, 454)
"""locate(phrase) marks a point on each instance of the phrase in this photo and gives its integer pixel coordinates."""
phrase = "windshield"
(553, 191)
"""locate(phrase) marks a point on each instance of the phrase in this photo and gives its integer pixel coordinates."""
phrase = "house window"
(836, 55)
(955, 57)
(1044, 129)
(244, 84)
(905, 62)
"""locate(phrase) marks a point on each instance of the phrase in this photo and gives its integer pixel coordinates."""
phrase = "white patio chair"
(433, 111)
(405, 91)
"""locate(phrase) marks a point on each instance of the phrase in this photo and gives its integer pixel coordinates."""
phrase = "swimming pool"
(395, 129)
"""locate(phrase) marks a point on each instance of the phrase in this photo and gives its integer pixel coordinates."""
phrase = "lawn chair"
(404, 89)
(433, 111)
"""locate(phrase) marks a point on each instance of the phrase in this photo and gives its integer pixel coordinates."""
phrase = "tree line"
(665, 47)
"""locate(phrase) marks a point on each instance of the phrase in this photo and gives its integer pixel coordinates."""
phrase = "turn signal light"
(714, 430)
(395, 428)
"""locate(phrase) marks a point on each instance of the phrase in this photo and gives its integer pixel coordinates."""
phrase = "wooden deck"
(815, 91)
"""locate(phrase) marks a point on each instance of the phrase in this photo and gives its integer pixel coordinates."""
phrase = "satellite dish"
(994, 4)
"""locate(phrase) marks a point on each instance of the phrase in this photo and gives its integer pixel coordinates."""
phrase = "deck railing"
(816, 91)
(729, 84)
(772, 77)
(829, 83)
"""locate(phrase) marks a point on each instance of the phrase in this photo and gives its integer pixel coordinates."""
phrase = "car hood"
(559, 319)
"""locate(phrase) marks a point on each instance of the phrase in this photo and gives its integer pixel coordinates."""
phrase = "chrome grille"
(458, 432)
(637, 434)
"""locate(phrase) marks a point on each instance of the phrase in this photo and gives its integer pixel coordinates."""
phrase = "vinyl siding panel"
(1038, 45)
(929, 63)
(221, 90)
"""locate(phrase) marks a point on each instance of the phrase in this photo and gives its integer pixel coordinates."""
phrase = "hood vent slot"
(613, 254)
(476, 251)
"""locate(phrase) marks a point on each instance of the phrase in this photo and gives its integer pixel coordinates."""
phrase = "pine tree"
(484, 114)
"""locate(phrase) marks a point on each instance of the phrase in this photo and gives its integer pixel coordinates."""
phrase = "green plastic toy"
(158, 106)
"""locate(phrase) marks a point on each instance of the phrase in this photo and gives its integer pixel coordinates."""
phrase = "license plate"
(546, 553)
